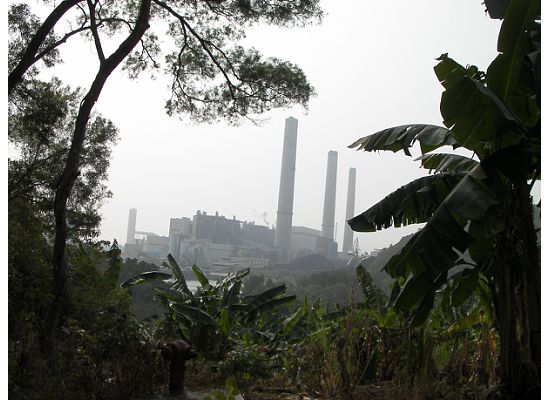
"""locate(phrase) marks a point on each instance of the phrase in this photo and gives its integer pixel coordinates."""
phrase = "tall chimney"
(347, 244)
(131, 232)
(286, 188)
(329, 205)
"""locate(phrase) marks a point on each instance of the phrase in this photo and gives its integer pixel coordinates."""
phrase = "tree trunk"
(70, 172)
(516, 293)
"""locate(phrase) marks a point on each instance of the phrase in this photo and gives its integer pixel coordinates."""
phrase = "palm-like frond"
(443, 162)
(181, 283)
(412, 203)
(428, 256)
(478, 119)
(403, 137)
(144, 278)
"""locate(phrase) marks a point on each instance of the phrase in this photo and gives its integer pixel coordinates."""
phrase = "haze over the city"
(371, 64)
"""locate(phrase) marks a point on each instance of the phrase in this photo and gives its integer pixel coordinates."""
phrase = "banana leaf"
(412, 203)
(441, 162)
(193, 314)
(403, 137)
(181, 283)
(203, 280)
(268, 305)
(144, 278)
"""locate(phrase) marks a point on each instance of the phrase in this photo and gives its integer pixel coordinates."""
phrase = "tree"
(478, 210)
(212, 78)
(39, 131)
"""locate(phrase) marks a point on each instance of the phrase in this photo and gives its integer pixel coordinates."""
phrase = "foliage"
(216, 314)
(22, 24)
(230, 393)
(476, 210)
(101, 351)
(39, 131)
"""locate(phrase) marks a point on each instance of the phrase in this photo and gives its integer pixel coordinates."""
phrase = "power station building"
(217, 243)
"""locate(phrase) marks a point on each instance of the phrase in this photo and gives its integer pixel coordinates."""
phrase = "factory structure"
(218, 244)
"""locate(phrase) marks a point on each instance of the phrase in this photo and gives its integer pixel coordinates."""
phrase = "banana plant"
(478, 205)
(216, 313)
(377, 302)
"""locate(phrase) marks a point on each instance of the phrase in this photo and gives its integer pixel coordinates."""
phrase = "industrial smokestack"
(329, 205)
(347, 244)
(283, 231)
(131, 232)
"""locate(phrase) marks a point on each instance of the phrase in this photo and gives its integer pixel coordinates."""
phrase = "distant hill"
(317, 276)
(374, 265)
(310, 263)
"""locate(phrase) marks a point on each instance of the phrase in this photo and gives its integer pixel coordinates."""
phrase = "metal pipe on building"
(283, 231)
(347, 244)
(329, 205)
(131, 232)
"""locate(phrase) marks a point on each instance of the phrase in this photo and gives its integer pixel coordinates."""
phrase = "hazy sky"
(371, 63)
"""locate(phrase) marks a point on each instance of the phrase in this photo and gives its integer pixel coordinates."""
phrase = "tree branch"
(28, 58)
(203, 43)
(59, 42)
(95, 33)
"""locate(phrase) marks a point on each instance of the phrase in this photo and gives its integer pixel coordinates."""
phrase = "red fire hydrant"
(177, 352)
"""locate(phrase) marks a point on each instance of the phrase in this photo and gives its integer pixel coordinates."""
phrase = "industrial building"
(218, 244)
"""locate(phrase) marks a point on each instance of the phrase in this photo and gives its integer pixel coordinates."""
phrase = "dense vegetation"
(454, 314)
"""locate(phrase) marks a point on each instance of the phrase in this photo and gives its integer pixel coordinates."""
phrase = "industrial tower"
(329, 205)
(347, 244)
(283, 230)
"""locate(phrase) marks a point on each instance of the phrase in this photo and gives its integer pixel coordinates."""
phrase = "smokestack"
(347, 244)
(131, 232)
(286, 187)
(330, 195)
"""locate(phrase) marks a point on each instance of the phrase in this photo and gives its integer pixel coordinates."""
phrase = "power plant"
(219, 244)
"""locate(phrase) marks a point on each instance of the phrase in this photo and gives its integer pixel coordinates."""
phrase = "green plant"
(477, 210)
(217, 315)
(230, 393)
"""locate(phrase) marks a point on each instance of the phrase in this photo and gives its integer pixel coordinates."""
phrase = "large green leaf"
(144, 278)
(225, 325)
(231, 296)
(497, 8)
(410, 204)
(437, 247)
(266, 295)
(181, 283)
(403, 137)
(192, 314)
(478, 119)
(442, 162)
(512, 76)
(472, 318)
(203, 280)
(290, 322)
(519, 16)
(233, 277)
(269, 305)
